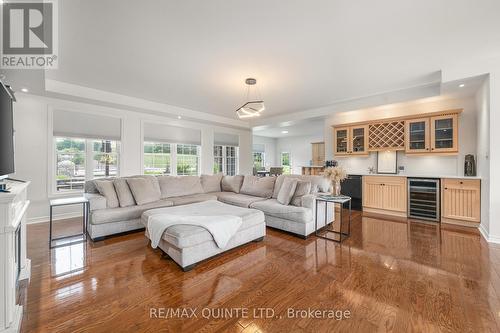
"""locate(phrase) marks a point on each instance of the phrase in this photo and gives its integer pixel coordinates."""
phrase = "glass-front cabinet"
(417, 136)
(432, 135)
(351, 140)
(359, 140)
(341, 141)
(444, 133)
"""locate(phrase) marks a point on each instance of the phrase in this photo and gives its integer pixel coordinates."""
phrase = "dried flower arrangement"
(335, 175)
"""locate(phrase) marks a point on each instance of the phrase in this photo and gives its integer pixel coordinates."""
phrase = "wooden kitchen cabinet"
(351, 140)
(461, 201)
(444, 134)
(318, 153)
(385, 195)
(418, 136)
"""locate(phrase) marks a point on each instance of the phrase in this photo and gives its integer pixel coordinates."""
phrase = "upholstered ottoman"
(190, 244)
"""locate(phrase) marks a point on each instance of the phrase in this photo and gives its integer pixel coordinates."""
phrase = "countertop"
(312, 166)
(409, 175)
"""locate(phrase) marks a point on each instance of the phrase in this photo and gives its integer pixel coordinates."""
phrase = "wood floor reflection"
(391, 275)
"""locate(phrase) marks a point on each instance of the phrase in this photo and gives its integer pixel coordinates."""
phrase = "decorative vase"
(336, 188)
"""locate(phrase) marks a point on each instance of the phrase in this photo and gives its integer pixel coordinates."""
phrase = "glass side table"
(341, 200)
(66, 202)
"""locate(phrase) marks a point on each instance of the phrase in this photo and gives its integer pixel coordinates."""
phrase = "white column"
(246, 148)
(131, 158)
(207, 151)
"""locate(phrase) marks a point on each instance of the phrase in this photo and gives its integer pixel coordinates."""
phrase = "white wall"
(483, 152)
(300, 150)
(269, 149)
(420, 165)
(33, 143)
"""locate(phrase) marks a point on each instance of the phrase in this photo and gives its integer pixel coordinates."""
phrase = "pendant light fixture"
(253, 107)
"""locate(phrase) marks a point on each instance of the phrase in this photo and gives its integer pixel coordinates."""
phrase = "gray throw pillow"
(123, 192)
(107, 189)
(303, 188)
(178, 186)
(287, 190)
(211, 183)
(232, 183)
(258, 186)
(144, 190)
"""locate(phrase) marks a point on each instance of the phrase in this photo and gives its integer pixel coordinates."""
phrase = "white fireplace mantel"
(13, 207)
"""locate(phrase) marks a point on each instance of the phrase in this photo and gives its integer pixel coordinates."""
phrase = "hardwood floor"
(390, 275)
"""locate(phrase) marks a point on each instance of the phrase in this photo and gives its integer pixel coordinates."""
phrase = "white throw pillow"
(107, 189)
(258, 186)
(232, 183)
(123, 192)
(287, 190)
(178, 186)
(145, 190)
(211, 183)
(303, 188)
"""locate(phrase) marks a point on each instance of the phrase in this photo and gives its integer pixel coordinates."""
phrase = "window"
(231, 160)
(157, 158)
(105, 158)
(218, 159)
(286, 163)
(187, 159)
(258, 160)
(226, 160)
(78, 160)
(70, 166)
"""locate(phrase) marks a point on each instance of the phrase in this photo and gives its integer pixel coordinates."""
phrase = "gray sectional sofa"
(116, 204)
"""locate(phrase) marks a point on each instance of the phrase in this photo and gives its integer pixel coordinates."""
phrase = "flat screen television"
(6, 131)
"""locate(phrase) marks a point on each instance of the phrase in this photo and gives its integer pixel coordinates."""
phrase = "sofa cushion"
(144, 190)
(126, 213)
(107, 189)
(176, 186)
(237, 199)
(287, 191)
(183, 236)
(318, 183)
(273, 208)
(123, 192)
(303, 188)
(232, 183)
(211, 183)
(258, 186)
(189, 199)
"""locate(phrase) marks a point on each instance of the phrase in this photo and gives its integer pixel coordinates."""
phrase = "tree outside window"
(286, 163)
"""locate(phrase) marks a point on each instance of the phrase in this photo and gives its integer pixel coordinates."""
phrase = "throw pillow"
(287, 190)
(107, 189)
(144, 190)
(232, 183)
(211, 183)
(177, 186)
(258, 186)
(303, 188)
(123, 192)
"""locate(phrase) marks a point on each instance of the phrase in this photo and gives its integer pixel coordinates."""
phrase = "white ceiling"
(305, 54)
(309, 127)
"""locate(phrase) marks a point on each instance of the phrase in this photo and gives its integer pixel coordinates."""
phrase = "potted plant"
(335, 175)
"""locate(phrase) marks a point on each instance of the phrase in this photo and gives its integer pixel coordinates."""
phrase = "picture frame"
(387, 162)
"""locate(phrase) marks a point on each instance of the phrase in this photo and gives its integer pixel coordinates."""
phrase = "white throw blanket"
(221, 227)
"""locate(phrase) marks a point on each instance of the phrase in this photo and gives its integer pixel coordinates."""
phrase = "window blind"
(171, 134)
(226, 139)
(84, 125)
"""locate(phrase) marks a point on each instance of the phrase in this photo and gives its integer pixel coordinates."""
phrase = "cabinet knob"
(461, 183)
(445, 188)
(426, 148)
(432, 148)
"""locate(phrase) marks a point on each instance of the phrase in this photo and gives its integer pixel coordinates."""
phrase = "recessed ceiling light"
(179, 117)
(24, 90)
(284, 132)
(462, 85)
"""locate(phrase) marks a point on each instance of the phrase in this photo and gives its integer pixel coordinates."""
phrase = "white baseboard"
(55, 217)
(487, 237)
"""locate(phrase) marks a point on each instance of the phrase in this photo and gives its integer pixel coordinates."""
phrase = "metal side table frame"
(67, 202)
(341, 201)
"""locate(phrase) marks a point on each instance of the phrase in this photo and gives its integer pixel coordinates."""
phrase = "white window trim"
(224, 159)
(173, 155)
(263, 157)
(89, 170)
